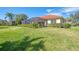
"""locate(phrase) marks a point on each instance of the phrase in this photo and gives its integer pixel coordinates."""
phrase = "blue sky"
(38, 11)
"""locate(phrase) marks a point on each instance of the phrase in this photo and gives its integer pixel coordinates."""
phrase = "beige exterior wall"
(47, 22)
(58, 21)
(53, 21)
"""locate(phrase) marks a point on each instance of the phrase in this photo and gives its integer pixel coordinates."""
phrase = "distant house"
(38, 20)
(76, 20)
(25, 22)
(48, 19)
(68, 21)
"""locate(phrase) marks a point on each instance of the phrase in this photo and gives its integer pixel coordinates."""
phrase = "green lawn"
(47, 39)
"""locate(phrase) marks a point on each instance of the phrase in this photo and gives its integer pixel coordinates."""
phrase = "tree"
(20, 17)
(10, 16)
(74, 15)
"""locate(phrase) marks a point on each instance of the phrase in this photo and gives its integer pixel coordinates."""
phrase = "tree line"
(13, 19)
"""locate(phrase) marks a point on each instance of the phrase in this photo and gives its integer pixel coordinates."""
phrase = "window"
(58, 21)
(49, 21)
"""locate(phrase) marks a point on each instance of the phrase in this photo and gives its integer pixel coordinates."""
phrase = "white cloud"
(72, 9)
(66, 11)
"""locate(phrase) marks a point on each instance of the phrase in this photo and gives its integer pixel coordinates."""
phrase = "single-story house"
(76, 20)
(25, 22)
(48, 19)
(68, 21)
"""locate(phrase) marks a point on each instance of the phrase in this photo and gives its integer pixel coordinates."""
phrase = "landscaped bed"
(47, 39)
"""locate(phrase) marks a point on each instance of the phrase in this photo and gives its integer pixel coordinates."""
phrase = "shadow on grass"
(25, 44)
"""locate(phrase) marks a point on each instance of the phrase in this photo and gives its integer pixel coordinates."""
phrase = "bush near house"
(66, 25)
(35, 25)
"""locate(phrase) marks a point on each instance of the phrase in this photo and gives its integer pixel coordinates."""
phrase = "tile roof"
(52, 17)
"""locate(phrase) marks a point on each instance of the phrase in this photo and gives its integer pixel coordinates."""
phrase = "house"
(38, 20)
(48, 19)
(76, 20)
(68, 21)
(25, 22)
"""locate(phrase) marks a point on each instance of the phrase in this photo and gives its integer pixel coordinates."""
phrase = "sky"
(38, 11)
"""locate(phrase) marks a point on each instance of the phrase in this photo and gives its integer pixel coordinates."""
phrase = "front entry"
(41, 24)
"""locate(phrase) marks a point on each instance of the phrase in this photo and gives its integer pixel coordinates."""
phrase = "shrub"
(67, 25)
(35, 25)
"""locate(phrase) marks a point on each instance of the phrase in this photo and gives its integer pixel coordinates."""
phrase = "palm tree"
(74, 16)
(10, 16)
(20, 17)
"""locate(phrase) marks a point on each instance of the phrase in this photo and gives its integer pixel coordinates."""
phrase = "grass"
(75, 28)
(47, 39)
(3, 27)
